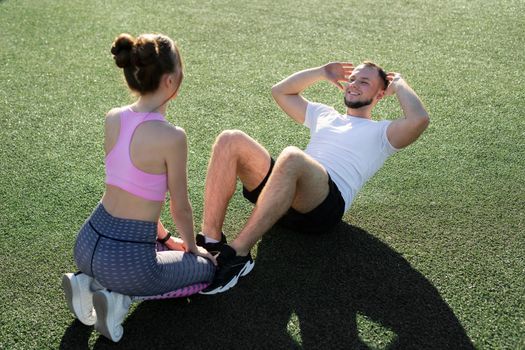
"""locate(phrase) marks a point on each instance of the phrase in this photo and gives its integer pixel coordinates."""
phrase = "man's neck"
(365, 113)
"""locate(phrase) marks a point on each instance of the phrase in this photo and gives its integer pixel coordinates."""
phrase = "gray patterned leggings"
(121, 255)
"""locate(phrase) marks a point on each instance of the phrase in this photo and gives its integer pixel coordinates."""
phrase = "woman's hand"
(200, 251)
(175, 243)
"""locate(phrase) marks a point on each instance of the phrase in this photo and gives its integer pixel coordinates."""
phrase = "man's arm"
(287, 93)
(402, 132)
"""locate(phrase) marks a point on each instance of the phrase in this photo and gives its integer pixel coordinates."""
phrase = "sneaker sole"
(69, 285)
(101, 302)
(247, 268)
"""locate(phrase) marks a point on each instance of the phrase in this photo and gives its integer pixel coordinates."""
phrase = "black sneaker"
(213, 248)
(230, 268)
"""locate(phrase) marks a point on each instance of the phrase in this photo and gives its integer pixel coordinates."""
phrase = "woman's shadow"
(345, 289)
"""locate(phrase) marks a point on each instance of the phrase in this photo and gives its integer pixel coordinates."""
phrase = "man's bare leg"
(297, 181)
(234, 154)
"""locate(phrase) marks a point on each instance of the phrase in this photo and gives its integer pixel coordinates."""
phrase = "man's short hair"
(380, 71)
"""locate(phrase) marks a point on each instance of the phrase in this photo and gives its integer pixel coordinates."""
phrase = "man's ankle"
(239, 250)
(212, 236)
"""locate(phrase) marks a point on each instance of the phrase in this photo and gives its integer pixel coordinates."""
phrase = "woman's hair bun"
(122, 49)
(145, 59)
(146, 51)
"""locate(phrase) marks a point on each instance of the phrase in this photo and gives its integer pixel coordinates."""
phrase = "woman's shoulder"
(113, 116)
(161, 133)
(164, 127)
(172, 133)
(112, 122)
(114, 113)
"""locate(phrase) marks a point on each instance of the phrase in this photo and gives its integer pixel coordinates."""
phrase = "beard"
(357, 104)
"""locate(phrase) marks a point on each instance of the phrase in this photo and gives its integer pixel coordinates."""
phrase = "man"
(309, 190)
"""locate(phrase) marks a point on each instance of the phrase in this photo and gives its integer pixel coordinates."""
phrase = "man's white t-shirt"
(351, 149)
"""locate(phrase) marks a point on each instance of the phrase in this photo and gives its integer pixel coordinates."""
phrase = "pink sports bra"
(121, 172)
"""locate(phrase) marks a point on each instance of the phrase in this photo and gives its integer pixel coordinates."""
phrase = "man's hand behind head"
(393, 80)
(337, 72)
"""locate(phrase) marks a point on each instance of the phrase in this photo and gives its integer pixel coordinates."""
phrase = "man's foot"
(231, 267)
(212, 248)
(111, 308)
(79, 297)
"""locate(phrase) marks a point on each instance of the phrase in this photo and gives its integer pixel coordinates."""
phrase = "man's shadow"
(342, 290)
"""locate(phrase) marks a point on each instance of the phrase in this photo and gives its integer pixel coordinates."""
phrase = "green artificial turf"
(432, 252)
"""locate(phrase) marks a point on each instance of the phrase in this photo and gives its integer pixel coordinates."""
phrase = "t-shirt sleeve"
(313, 111)
(385, 144)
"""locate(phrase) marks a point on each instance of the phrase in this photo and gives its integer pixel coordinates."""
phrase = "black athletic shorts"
(321, 219)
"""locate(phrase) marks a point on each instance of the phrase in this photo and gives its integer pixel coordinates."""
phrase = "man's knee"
(291, 157)
(229, 139)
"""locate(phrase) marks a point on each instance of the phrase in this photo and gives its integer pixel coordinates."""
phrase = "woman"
(145, 157)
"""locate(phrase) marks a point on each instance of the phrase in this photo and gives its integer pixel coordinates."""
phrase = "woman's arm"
(180, 207)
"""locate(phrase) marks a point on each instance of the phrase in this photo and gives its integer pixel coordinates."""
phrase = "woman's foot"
(111, 309)
(79, 297)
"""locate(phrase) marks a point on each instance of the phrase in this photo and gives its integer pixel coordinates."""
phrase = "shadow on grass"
(76, 336)
(345, 290)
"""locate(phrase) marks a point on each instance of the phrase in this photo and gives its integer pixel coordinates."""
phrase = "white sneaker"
(111, 309)
(79, 297)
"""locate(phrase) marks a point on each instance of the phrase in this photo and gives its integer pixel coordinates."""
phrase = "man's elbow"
(419, 121)
(424, 121)
(276, 91)
(419, 125)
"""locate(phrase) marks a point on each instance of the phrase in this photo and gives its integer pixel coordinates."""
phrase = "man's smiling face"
(363, 87)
